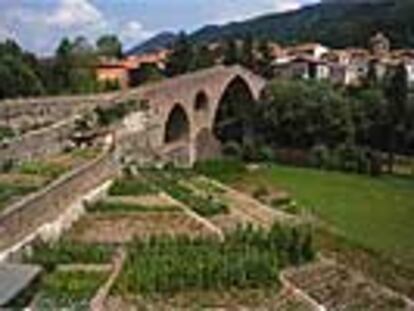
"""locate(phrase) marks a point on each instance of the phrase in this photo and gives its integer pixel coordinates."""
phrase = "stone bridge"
(188, 111)
(187, 114)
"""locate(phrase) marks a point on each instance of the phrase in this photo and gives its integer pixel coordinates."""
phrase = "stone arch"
(235, 105)
(201, 102)
(177, 126)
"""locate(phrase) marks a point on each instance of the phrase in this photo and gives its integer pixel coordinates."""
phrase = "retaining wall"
(39, 143)
(25, 216)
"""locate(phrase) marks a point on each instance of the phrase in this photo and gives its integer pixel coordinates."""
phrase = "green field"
(377, 213)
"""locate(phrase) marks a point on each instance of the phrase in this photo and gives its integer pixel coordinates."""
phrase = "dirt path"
(98, 302)
(160, 199)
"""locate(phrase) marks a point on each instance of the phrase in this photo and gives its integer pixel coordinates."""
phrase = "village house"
(301, 67)
(314, 50)
(349, 66)
(120, 72)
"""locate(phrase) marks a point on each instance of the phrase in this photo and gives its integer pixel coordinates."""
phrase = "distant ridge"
(336, 23)
(162, 40)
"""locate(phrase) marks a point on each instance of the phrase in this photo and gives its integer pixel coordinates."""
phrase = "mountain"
(162, 40)
(335, 23)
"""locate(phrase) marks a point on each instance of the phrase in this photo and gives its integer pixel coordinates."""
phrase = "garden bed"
(113, 207)
(65, 252)
(165, 268)
(68, 290)
(337, 288)
(121, 228)
(247, 299)
(171, 181)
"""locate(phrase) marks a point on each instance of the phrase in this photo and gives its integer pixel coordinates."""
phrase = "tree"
(204, 58)
(74, 68)
(231, 53)
(146, 73)
(302, 114)
(18, 72)
(109, 46)
(265, 60)
(396, 92)
(247, 53)
(182, 56)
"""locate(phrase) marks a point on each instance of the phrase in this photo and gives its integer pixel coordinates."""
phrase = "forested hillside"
(334, 23)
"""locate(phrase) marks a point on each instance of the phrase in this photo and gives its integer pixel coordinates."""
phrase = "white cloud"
(229, 11)
(133, 32)
(75, 13)
(286, 5)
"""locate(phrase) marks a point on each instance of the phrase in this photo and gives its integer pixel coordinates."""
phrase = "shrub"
(319, 156)
(280, 201)
(131, 186)
(260, 192)
(41, 168)
(266, 154)
(224, 169)
(232, 149)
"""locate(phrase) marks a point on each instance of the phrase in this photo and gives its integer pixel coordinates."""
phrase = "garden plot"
(213, 300)
(243, 209)
(73, 272)
(337, 288)
(68, 290)
(241, 271)
(122, 228)
(134, 208)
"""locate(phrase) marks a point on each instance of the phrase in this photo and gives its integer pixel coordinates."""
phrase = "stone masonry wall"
(24, 217)
(39, 143)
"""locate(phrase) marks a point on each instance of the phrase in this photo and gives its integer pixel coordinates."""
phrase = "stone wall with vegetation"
(21, 219)
(37, 144)
(31, 113)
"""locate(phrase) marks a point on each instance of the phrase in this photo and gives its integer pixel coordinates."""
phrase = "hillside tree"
(396, 93)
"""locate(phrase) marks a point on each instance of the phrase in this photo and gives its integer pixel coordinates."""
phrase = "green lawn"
(378, 213)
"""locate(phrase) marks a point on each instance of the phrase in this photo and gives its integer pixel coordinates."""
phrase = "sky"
(39, 25)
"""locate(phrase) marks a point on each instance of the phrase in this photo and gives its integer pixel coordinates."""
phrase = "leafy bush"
(41, 168)
(6, 133)
(280, 201)
(9, 191)
(223, 170)
(266, 154)
(131, 187)
(232, 149)
(115, 113)
(319, 156)
(260, 192)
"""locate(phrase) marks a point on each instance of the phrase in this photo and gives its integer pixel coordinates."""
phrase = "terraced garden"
(191, 243)
(366, 223)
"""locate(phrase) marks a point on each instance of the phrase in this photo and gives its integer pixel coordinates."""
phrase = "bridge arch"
(177, 127)
(233, 109)
(201, 102)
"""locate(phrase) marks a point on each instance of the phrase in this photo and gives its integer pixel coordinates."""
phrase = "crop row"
(121, 207)
(247, 258)
(169, 181)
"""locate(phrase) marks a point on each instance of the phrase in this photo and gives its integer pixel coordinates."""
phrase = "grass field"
(377, 213)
